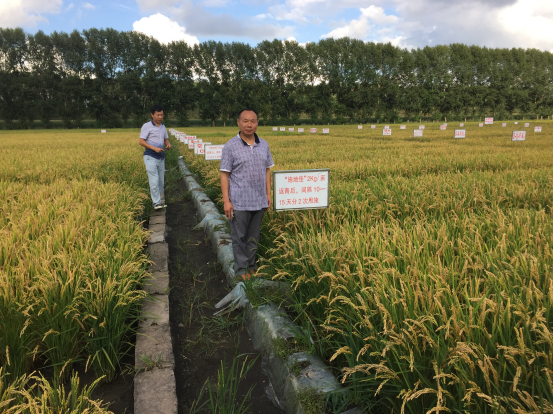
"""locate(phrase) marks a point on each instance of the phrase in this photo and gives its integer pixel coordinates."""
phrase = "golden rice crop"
(428, 281)
(71, 255)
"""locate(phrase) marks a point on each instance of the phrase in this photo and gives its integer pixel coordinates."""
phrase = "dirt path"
(201, 341)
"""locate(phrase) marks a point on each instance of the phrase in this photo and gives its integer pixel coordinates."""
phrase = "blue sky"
(405, 23)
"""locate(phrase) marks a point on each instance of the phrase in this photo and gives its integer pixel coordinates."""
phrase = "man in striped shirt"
(246, 186)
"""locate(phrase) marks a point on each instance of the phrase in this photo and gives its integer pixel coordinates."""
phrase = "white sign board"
(199, 148)
(460, 133)
(527, 124)
(290, 130)
(443, 127)
(386, 127)
(387, 131)
(402, 127)
(282, 128)
(417, 133)
(313, 130)
(373, 127)
(516, 122)
(300, 130)
(191, 143)
(103, 131)
(537, 129)
(519, 136)
(187, 138)
(504, 124)
(213, 151)
(359, 127)
(421, 127)
(275, 129)
(300, 189)
(326, 130)
(462, 125)
(488, 120)
(480, 124)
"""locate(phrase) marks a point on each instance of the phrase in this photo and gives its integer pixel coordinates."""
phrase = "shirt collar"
(246, 144)
(154, 124)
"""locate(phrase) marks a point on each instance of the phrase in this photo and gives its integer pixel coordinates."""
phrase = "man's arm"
(268, 186)
(144, 144)
(167, 144)
(229, 209)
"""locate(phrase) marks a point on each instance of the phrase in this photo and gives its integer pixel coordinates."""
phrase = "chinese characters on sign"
(102, 131)
(460, 133)
(537, 129)
(417, 133)
(421, 127)
(187, 138)
(213, 151)
(527, 124)
(461, 125)
(300, 130)
(275, 129)
(300, 189)
(480, 124)
(386, 127)
(191, 143)
(313, 130)
(199, 148)
(373, 127)
(518, 136)
(282, 128)
(504, 124)
(443, 127)
(359, 127)
(326, 130)
(402, 127)
(488, 120)
(290, 130)
(387, 131)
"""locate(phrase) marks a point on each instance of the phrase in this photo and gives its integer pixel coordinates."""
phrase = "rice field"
(427, 283)
(71, 263)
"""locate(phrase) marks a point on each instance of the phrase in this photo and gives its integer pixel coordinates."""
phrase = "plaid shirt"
(247, 166)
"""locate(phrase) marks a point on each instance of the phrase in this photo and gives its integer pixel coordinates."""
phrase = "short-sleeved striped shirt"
(247, 166)
(155, 136)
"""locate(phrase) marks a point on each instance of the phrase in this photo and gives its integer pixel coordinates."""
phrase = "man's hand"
(158, 150)
(168, 145)
(270, 202)
(229, 210)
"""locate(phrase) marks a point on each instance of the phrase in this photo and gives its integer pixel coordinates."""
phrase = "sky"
(405, 23)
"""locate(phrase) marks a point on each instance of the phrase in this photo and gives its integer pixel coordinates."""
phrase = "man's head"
(247, 121)
(157, 114)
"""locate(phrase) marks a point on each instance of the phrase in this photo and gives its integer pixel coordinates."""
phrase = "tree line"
(114, 77)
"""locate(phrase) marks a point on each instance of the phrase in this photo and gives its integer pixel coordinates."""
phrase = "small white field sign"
(462, 125)
(421, 127)
(537, 129)
(300, 130)
(516, 122)
(300, 189)
(387, 131)
(191, 143)
(313, 130)
(199, 148)
(527, 124)
(386, 127)
(103, 131)
(460, 133)
(519, 136)
(282, 128)
(488, 120)
(275, 129)
(480, 124)
(373, 127)
(402, 127)
(290, 130)
(359, 127)
(213, 151)
(187, 138)
(443, 127)
(326, 130)
(417, 133)
(504, 124)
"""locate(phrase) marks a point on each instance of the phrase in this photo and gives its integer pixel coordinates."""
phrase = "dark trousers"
(245, 229)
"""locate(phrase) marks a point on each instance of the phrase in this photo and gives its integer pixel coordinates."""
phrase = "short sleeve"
(226, 159)
(144, 132)
(269, 162)
(166, 136)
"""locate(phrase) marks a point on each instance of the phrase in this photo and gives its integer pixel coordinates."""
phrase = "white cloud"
(163, 29)
(89, 6)
(359, 28)
(215, 3)
(27, 13)
(69, 7)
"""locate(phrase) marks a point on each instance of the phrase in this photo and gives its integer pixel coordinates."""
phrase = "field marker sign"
(192, 142)
(326, 130)
(282, 128)
(527, 124)
(402, 127)
(199, 148)
(481, 124)
(443, 127)
(290, 130)
(462, 125)
(313, 130)
(537, 129)
(387, 131)
(460, 133)
(187, 138)
(300, 189)
(300, 130)
(386, 127)
(488, 120)
(213, 151)
(421, 127)
(519, 136)
(359, 127)
(373, 127)
(275, 129)
(504, 124)
(417, 133)
(103, 131)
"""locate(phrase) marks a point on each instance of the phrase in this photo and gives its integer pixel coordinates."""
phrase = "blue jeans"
(156, 176)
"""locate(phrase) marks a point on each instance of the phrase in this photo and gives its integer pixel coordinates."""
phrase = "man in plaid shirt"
(246, 185)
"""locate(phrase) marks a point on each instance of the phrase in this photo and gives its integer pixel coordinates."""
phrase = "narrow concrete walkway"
(154, 384)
